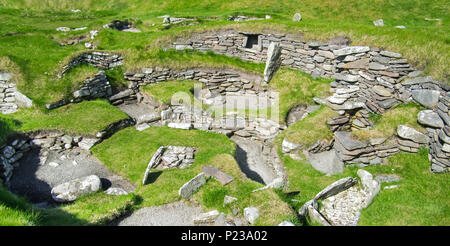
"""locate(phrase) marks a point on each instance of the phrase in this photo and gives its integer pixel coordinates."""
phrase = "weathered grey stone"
(444, 136)
(382, 91)
(411, 134)
(427, 98)
(378, 22)
(297, 17)
(192, 185)
(72, 190)
(216, 173)
(327, 162)
(286, 223)
(22, 101)
(154, 161)
(387, 178)
(346, 77)
(229, 199)
(206, 218)
(417, 80)
(315, 216)
(335, 188)
(184, 126)
(371, 186)
(273, 61)
(351, 50)
(377, 66)
(288, 147)
(347, 141)
(430, 118)
(358, 64)
(8, 151)
(87, 142)
(251, 214)
(116, 191)
(121, 95)
(390, 54)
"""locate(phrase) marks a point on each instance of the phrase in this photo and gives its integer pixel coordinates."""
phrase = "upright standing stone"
(273, 61)
(192, 185)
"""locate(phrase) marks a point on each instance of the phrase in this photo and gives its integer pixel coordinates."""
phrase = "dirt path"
(36, 175)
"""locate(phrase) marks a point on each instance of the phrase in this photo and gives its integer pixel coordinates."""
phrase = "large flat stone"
(351, 50)
(427, 98)
(411, 134)
(192, 185)
(72, 190)
(348, 142)
(327, 162)
(430, 118)
(216, 173)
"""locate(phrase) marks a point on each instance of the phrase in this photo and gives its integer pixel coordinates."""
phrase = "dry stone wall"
(218, 81)
(97, 59)
(367, 79)
(10, 98)
(365, 76)
(95, 87)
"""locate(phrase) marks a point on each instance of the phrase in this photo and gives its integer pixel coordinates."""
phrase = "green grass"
(386, 125)
(87, 117)
(297, 88)
(164, 91)
(420, 200)
(309, 130)
(129, 151)
(16, 211)
(94, 209)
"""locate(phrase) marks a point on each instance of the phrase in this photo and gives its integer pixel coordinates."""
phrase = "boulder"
(327, 162)
(192, 185)
(273, 61)
(411, 134)
(116, 191)
(72, 190)
(297, 17)
(427, 98)
(430, 118)
(251, 214)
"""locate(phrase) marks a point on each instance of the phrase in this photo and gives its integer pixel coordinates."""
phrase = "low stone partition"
(97, 59)
(95, 87)
(10, 98)
(219, 81)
